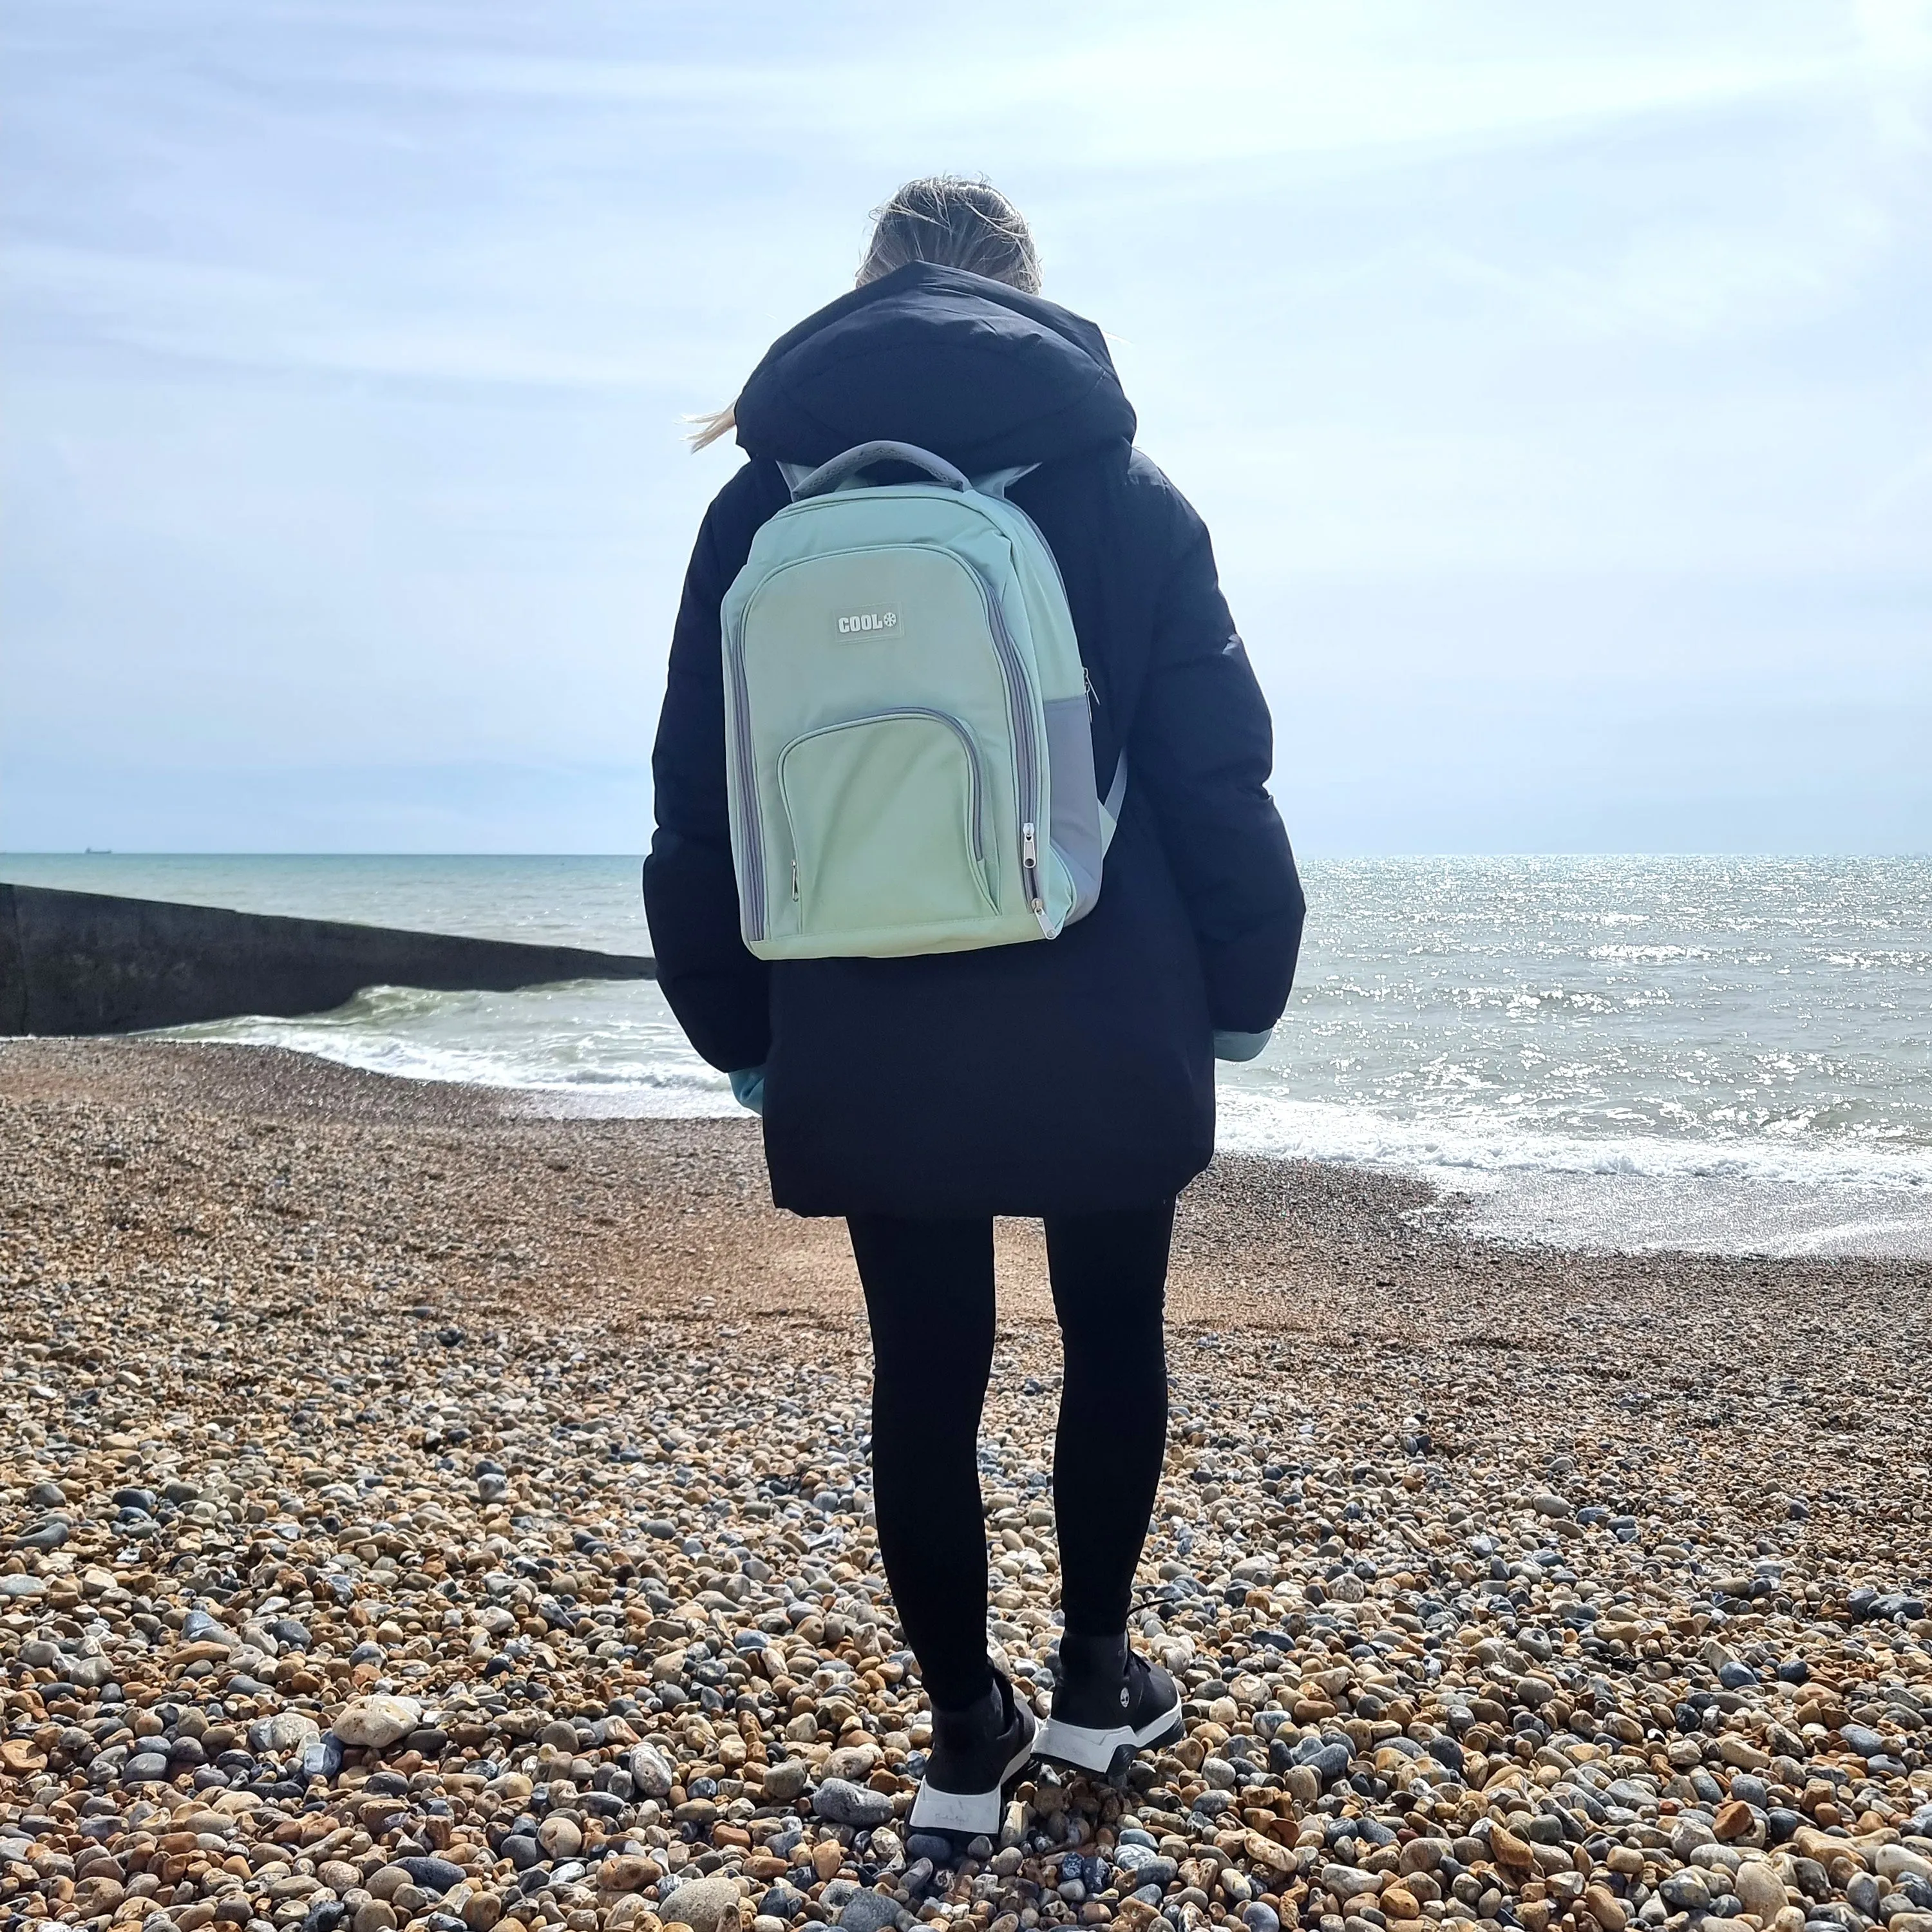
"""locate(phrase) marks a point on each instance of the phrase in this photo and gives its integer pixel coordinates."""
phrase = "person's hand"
(1232, 1045)
(747, 1088)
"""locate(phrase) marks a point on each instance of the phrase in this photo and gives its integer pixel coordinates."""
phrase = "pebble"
(650, 1776)
(283, 1733)
(356, 1627)
(1686, 1891)
(1605, 1908)
(841, 1802)
(785, 1781)
(375, 1723)
(1759, 1890)
(703, 1904)
(561, 1836)
(869, 1912)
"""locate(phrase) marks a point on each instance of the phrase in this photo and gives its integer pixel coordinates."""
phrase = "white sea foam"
(1631, 1192)
(591, 1045)
(1472, 1152)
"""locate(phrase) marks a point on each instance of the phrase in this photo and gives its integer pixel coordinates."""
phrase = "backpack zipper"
(967, 745)
(752, 888)
(1030, 859)
(1026, 749)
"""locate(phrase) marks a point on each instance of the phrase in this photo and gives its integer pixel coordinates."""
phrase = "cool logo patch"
(862, 623)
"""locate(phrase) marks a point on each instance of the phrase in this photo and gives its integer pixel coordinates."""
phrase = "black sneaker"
(1109, 1703)
(974, 1752)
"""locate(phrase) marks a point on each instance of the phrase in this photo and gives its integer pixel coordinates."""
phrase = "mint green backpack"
(906, 721)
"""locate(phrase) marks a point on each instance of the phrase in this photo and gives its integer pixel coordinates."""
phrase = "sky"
(1557, 382)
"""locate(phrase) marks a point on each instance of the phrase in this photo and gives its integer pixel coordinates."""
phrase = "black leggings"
(929, 1299)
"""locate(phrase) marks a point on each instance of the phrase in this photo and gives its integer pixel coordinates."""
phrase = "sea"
(1728, 1054)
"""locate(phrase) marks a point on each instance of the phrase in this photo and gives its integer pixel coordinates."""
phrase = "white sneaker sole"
(974, 1814)
(1092, 1750)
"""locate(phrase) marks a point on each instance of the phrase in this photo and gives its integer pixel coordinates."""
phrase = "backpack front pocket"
(886, 818)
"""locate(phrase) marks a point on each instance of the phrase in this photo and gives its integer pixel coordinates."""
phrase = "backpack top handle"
(829, 476)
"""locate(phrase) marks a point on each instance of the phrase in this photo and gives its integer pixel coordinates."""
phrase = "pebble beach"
(416, 1514)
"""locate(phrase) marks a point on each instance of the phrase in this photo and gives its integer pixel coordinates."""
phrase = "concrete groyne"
(93, 963)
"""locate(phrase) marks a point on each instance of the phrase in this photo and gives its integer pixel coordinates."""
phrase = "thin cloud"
(1238, 86)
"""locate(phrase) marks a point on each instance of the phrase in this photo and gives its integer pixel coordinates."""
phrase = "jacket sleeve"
(718, 991)
(1201, 750)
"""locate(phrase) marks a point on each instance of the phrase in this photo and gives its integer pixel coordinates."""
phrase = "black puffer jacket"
(1063, 1078)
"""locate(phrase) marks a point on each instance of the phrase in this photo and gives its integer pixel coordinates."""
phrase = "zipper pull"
(1030, 863)
(794, 878)
(1093, 696)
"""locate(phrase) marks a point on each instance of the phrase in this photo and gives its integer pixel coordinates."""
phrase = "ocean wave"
(610, 1038)
(1473, 1153)
(595, 1045)
(1804, 1178)
(1651, 955)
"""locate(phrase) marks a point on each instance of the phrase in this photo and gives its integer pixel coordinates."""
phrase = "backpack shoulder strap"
(1110, 805)
(998, 482)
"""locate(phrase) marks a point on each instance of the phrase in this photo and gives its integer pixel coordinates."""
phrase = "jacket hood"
(967, 367)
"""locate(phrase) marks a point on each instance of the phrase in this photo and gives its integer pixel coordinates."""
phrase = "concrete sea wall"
(90, 963)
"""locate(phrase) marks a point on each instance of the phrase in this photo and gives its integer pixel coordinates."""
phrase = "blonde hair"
(953, 221)
(704, 430)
